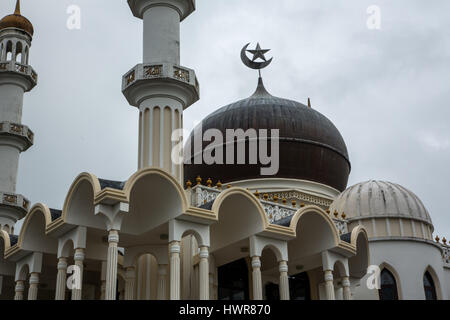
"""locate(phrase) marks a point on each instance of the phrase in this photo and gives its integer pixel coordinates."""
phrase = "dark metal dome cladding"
(311, 147)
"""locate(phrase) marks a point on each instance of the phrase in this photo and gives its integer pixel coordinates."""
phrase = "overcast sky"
(387, 90)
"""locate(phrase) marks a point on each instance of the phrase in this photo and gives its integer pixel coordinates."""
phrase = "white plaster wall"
(447, 282)
(11, 103)
(162, 35)
(9, 156)
(410, 260)
(276, 184)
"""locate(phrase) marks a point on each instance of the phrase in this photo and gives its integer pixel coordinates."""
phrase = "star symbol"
(259, 53)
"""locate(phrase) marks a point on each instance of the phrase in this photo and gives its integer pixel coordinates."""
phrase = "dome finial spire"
(17, 11)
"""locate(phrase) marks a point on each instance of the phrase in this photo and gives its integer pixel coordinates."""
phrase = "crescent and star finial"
(258, 53)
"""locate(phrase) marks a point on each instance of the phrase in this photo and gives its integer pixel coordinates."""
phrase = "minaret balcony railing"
(158, 73)
(19, 131)
(16, 201)
(23, 69)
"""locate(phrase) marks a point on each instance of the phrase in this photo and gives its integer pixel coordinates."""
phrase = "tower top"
(183, 7)
(17, 21)
(17, 11)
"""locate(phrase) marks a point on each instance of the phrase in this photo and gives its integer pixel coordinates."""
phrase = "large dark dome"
(311, 148)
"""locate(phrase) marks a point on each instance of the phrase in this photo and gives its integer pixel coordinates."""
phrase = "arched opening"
(238, 211)
(8, 269)
(146, 213)
(388, 286)
(19, 48)
(146, 277)
(299, 287)
(270, 273)
(79, 204)
(358, 263)
(33, 236)
(9, 47)
(24, 276)
(234, 281)
(429, 287)
(315, 233)
(272, 291)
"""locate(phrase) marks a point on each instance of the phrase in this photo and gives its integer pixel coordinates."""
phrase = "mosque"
(218, 231)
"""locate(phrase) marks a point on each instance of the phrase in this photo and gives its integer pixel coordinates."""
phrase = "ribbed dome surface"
(311, 147)
(380, 198)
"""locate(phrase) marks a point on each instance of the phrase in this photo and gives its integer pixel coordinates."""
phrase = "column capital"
(175, 247)
(113, 236)
(283, 267)
(204, 252)
(62, 264)
(328, 275)
(34, 278)
(256, 262)
(20, 286)
(345, 282)
(79, 254)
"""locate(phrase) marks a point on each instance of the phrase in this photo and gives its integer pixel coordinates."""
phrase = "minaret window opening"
(9, 50)
(428, 285)
(388, 289)
(18, 57)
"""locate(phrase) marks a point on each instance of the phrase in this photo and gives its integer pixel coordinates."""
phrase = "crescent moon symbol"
(251, 64)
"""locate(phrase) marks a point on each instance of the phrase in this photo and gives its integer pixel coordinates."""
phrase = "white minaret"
(160, 87)
(16, 78)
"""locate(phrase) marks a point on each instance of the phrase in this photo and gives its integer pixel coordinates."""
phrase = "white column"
(204, 273)
(20, 288)
(329, 286)
(79, 260)
(162, 282)
(111, 268)
(257, 282)
(130, 283)
(13, 51)
(346, 288)
(34, 283)
(61, 279)
(175, 270)
(284, 281)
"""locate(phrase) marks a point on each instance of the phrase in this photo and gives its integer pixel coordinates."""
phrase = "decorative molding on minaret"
(159, 87)
(16, 78)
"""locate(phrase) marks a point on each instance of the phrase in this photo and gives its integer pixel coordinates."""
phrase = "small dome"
(16, 20)
(311, 147)
(380, 199)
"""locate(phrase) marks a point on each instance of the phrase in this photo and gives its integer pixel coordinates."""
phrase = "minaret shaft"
(159, 87)
(11, 102)
(161, 35)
